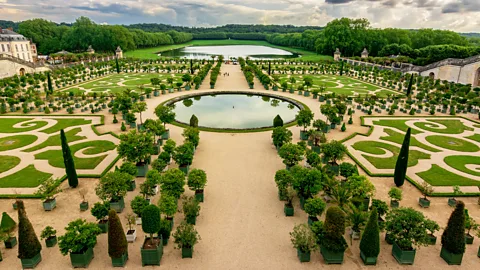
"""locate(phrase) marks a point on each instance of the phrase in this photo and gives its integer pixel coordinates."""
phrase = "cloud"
(458, 15)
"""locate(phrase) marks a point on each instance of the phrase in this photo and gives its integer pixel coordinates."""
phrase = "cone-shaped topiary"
(277, 121)
(7, 224)
(409, 89)
(117, 242)
(68, 161)
(370, 243)
(28, 244)
(453, 238)
(402, 161)
(194, 121)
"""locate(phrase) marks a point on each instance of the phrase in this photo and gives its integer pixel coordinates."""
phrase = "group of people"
(226, 74)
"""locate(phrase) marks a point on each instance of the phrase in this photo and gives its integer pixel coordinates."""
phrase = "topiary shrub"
(453, 238)
(138, 204)
(28, 244)
(130, 168)
(314, 207)
(334, 227)
(194, 121)
(151, 220)
(167, 205)
(117, 241)
(7, 224)
(277, 121)
(370, 243)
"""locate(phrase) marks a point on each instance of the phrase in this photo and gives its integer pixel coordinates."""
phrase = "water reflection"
(252, 51)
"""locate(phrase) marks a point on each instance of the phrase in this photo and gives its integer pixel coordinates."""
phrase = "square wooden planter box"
(118, 206)
(83, 206)
(32, 262)
(51, 242)
(288, 210)
(151, 256)
(132, 185)
(403, 256)
(425, 203)
(103, 225)
(142, 170)
(450, 258)
(11, 242)
(331, 257)
(81, 260)
(121, 261)
(187, 252)
(368, 260)
(50, 204)
(303, 256)
(200, 195)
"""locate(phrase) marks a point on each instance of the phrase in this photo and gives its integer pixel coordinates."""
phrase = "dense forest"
(351, 36)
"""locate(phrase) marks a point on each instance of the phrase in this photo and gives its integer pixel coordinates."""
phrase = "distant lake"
(252, 51)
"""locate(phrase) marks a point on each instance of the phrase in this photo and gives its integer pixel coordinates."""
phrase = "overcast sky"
(457, 15)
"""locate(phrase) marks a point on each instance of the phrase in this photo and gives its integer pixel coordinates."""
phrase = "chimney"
(10, 28)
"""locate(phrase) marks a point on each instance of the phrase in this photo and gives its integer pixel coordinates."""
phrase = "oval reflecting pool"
(252, 51)
(234, 111)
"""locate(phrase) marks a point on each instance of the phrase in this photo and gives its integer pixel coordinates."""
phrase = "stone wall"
(9, 68)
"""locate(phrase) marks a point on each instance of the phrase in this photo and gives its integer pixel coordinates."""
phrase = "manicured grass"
(452, 126)
(8, 123)
(398, 137)
(8, 162)
(438, 176)
(151, 53)
(379, 148)
(459, 162)
(65, 123)
(28, 177)
(130, 81)
(452, 143)
(17, 141)
(54, 140)
(398, 124)
(475, 137)
(55, 157)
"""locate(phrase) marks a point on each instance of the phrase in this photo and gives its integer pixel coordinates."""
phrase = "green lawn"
(65, 123)
(17, 141)
(459, 162)
(398, 124)
(8, 162)
(438, 176)
(398, 137)
(452, 126)
(8, 123)
(28, 177)
(452, 143)
(54, 140)
(475, 137)
(55, 157)
(379, 148)
(151, 53)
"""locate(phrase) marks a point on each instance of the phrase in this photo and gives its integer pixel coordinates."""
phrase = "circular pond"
(234, 110)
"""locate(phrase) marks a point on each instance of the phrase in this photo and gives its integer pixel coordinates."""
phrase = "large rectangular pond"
(252, 51)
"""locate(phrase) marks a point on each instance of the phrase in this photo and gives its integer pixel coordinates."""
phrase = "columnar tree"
(402, 161)
(370, 243)
(194, 121)
(116, 65)
(117, 242)
(49, 83)
(28, 244)
(409, 89)
(453, 238)
(68, 161)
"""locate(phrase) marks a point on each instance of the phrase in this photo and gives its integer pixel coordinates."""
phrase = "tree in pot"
(47, 191)
(313, 159)
(194, 121)
(333, 244)
(382, 209)
(138, 204)
(131, 234)
(167, 116)
(152, 249)
(356, 217)
(157, 129)
(281, 136)
(28, 245)
(453, 237)
(361, 189)
(169, 147)
(191, 209)
(304, 119)
(173, 182)
(153, 179)
(303, 239)
(50, 236)
(314, 207)
(186, 237)
(183, 156)
(283, 179)
(131, 169)
(426, 190)
(332, 152)
(370, 243)
(100, 212)
(112, 187)
(456, 191)
(288, 207)
(196, 181)
(78, 241)
(137, 148)
(139, 107)
(307, 182)
(84, 203)
(469, 225)
(407, 230)
(191, 134)
(117, 242)
(395, 195)
(291, 154)
(432, 227)
(7, 225)
(165, 230)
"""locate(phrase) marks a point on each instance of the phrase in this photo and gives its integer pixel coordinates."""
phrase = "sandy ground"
(241, 222)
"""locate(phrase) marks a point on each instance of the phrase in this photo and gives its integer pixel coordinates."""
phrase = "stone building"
(15, 45)
(365, 53)
(90, 50)
(336, 55)
(119, 53)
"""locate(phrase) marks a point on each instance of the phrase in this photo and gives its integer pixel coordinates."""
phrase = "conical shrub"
(117, 242)
(370, 243)
(453, 238)
(7, 224)
(28, 244)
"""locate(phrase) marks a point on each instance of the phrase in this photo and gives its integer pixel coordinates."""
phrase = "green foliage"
(122, 128)
(370, 243)
(113, 186)
(48, 232)
(314, 207)
(117, 241)
(7, 224)
(191, 134)
(129, 168)
(291, 154)
(402, 161)
(281, 136)
(303, 238)
(194, 121)
(453, 237)
(360, 186)
(197, 179)
(154, 126)
(172, 182)
(186, 236)
(138, 204)
(313, 159)
(100, 210)
(190, 207)
(283, 179)
(347, 169)
(151, 220)
(167, 205)
(28, 244)
(395, 194)
(333, 151)
(380, 206)
(334, 227)
(183, 154)
(48, 189)
(165, 114)
(407, 227)
(165, 228)
(277, 121)
(135, 147)
(169, 146)
(79, 236)
(304, 118)
(307, 182)
(343, 129)
(159, 164)
(68, 161)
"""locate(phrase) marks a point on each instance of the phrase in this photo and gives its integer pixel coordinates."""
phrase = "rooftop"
(9, 35)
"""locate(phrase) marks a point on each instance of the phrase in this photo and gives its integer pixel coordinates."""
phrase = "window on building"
(18, 55)
(3, 47)
(16, 47)
(21, 47)
(23, 56)
(8, 47)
